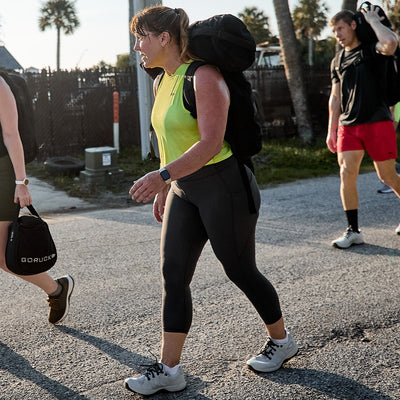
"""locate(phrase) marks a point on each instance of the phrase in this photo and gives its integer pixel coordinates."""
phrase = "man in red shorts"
(359, 119)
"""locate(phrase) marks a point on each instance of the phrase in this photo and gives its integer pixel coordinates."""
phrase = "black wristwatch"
(165, 175)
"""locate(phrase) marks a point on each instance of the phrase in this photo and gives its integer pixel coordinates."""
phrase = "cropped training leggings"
(211, 204)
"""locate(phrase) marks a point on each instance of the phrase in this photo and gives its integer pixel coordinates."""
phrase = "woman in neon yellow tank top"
(198, 196)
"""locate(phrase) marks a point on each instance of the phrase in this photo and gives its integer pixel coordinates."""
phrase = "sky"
(104, 29)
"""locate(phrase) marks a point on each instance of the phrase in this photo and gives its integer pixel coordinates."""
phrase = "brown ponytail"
(160, 19)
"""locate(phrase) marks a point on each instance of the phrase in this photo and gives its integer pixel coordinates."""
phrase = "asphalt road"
(342, 306)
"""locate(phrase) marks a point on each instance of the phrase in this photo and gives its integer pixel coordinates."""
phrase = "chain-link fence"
(74, 109)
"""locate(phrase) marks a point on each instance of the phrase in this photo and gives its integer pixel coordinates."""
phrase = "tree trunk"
(349, 5)
(58, 48)
(293, 69)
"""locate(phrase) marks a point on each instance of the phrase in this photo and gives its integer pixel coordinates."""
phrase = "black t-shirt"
(362, 77)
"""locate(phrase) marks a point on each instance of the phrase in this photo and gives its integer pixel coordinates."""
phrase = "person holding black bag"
(14, 192)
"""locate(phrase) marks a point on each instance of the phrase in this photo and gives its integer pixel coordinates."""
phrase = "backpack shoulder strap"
(189, 99)
(337, 63)
(157, 81)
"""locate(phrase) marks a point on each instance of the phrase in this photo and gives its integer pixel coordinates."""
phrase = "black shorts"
(8, 208)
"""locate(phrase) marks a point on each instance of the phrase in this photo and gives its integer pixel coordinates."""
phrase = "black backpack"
(367, 35)
(26, 126)
(224, 41)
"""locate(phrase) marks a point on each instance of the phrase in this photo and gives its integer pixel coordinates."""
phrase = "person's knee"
(348, 173)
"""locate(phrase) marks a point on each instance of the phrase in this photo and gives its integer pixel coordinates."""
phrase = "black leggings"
(211, 204)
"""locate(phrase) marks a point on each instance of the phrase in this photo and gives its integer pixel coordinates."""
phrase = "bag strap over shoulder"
(338, 61)
(189, 99)
(157, 80)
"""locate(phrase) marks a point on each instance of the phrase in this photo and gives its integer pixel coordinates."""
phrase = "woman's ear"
(165, 38)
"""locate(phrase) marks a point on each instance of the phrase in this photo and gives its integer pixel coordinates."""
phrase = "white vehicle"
(268, 56)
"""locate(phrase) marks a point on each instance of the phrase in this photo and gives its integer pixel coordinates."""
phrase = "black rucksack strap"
(157, 80)
(189, 98)
(339, 58)
(246, 183)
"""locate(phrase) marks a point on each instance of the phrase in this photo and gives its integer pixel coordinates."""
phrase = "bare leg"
(349, 162)
(386, 171)
(277, 329)
(171, 348)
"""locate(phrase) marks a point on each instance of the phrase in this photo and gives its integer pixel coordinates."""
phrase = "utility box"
(101, 166)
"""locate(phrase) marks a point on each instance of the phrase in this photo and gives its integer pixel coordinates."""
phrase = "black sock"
(352, 219)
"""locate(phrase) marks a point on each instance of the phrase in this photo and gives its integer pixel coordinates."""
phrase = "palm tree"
(60, 14)
(309, 19)
(293, 70)
(393, 12)
(257, 23)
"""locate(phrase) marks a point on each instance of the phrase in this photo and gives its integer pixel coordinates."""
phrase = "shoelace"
(269, 349)
(54, 303)
(153, 370)
(348, 233)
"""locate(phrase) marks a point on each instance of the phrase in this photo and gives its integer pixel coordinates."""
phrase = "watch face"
(26, 181)
(165, 174)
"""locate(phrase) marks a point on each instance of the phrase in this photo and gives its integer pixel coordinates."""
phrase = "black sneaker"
(59, 306)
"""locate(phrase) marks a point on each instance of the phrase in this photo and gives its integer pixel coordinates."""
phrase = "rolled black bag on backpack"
(363, 30)
(30, 246)
(223, 40)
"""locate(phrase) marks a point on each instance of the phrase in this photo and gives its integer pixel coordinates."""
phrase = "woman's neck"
(172, 66)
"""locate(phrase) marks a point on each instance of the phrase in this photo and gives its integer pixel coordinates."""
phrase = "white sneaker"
(349, 238)
(273, 355)
(155, 379)
(397, 230)
(385, 189)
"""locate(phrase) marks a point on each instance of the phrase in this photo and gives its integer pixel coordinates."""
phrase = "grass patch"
(288, 160)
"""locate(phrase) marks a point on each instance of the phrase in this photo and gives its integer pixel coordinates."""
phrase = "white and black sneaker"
(155, 379)
(385, 189)
(273, 355)
(348, 239)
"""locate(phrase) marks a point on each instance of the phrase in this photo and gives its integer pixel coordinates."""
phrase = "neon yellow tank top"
(175, 128)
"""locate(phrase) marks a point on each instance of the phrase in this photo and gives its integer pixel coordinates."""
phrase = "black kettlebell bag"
(30, 246)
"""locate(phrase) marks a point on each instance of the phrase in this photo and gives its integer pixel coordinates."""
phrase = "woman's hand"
(22, 196)
(159, 205)
(146, 188)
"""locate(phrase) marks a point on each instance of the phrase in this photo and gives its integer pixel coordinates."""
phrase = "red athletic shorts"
(378, 139)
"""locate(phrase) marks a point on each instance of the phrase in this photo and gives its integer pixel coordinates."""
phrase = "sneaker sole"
(338, 247)
(126, 386)
(274, 369)
(71, 285)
